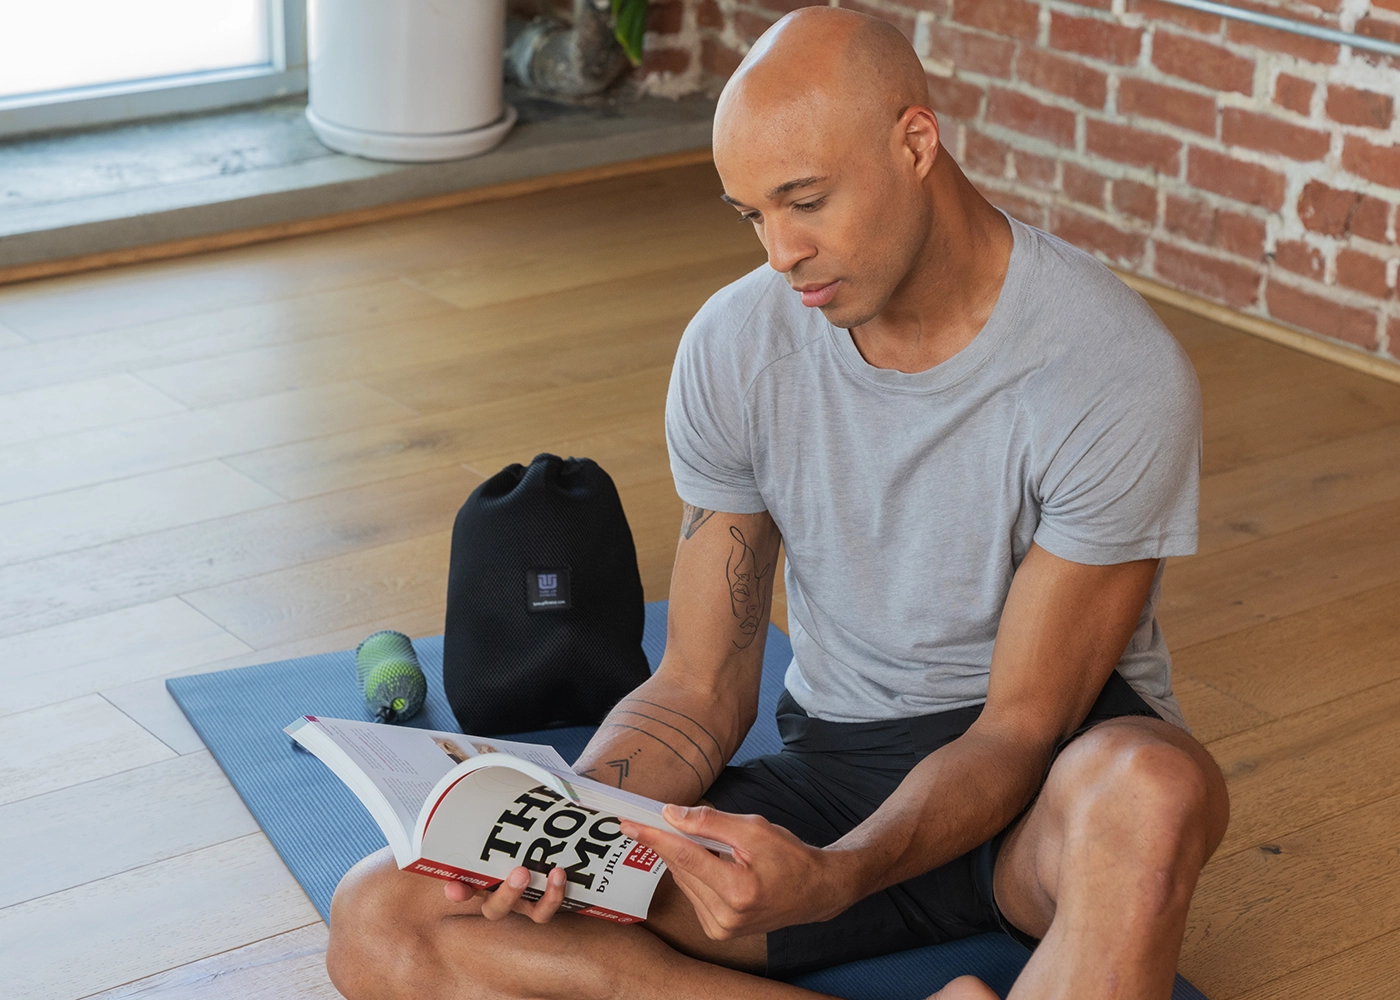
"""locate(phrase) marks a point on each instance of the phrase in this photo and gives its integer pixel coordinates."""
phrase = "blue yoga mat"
(320, 829)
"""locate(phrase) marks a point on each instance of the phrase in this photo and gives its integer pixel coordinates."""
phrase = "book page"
(404, 763)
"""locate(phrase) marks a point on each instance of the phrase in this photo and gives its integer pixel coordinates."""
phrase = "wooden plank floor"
(257, 454)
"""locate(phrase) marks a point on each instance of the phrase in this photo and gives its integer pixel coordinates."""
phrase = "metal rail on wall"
(1296, 27)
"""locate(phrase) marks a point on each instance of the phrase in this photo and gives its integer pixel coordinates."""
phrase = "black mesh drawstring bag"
(544, 600)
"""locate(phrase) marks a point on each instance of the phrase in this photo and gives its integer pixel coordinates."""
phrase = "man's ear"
(920, 128)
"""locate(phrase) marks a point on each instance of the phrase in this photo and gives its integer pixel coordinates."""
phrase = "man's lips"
(816, 296)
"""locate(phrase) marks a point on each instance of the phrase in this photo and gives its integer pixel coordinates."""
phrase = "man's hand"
(508, 897)
(774, 879)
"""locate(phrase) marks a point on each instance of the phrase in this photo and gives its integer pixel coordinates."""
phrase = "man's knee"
(376, 942)
(1147, 784)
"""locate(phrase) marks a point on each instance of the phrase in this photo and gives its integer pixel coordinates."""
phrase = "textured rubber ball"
(387, 671)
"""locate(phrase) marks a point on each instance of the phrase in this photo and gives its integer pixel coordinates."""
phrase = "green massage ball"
(386, 668)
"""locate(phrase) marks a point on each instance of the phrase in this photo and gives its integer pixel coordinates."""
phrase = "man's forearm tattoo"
(745, 588)
(682, 736)
(692, 518)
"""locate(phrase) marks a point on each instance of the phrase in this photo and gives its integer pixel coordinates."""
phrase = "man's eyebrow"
(797, 185)
(781, 189)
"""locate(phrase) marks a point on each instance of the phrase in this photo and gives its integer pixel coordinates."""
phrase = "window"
(70, 63)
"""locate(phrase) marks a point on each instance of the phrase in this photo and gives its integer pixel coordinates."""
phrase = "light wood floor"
(255, 454)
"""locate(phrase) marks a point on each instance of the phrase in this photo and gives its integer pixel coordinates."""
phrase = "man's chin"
(841, 315)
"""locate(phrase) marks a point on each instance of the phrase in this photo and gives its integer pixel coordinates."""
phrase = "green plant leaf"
(629, 25)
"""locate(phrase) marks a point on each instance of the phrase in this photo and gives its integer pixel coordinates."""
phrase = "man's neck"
(950, 293)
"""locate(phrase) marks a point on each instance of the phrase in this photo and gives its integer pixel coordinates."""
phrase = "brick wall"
(1255, 168)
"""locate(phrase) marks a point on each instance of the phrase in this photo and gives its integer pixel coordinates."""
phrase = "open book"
(471, 809)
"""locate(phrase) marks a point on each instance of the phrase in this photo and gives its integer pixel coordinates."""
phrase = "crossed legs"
(1102, 867)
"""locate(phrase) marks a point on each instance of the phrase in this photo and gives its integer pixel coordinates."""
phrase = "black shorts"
(828, 778)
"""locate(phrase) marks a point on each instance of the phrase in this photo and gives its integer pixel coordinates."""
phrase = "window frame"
(284, 75)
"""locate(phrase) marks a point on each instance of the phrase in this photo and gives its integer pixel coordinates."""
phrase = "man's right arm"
(670, 738)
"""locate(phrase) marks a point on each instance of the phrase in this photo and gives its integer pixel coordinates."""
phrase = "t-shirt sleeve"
(707, 426)
(1123, 477)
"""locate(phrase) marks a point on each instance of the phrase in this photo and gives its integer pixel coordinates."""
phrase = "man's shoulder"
(1089, 329)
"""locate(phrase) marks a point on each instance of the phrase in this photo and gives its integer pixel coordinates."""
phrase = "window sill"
(118, 188)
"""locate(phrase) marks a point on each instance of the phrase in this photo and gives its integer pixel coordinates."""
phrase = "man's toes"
(966, 988)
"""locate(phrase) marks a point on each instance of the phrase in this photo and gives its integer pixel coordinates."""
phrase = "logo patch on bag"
(547, 589)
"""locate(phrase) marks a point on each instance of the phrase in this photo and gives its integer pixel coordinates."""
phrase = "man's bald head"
(822, 63)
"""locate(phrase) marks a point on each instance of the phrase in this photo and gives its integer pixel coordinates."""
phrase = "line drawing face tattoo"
(692, 518)
(745, 588)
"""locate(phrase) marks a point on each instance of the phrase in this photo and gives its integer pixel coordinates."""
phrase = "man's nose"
(786, 247)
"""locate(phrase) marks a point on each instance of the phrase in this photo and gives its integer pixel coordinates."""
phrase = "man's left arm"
(1062, 632)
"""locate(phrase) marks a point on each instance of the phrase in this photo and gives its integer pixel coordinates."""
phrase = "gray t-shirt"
(906, 501)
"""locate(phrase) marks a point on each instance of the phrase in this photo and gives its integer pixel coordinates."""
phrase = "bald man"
(977, 448)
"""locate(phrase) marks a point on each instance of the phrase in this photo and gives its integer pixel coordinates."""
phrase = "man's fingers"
(680, 853)
(502, 900)
(544, 908)
(717, 917)
(457, 892)
(708, 822)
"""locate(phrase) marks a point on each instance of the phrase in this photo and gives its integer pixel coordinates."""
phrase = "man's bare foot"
(966, 988)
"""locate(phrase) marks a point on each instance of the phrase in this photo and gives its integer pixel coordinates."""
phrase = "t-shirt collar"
(968, 360)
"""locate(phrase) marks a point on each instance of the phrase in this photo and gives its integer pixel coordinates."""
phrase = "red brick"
(1066, 77)
(1253, 130)
(1125, 144)
(665, 60)
(1274, 40)
(1359, 107)
(1325, 209)
(954, 98)
(970, 51)
(1375, 163)
(903, 21)
(1387, 4)
(1132, 198)
(1016, 18)
(1239, 234)
(1369, 219)
(1393, 333)
(1037, 171)
(1094, 235)
(1031, 117)
(708, 15)
(1362, 272)
(1294, 93)
(1020, 208)
(665, 18)
(1185, 108)
(1083, 185)
(1097, 39)
(1246, 182)
(718, 58)
(1201, 62)
(985, 154)
(1233, 284)
(1200, 223)
(1155, 12)
(781, 7)
(1298, 257)
(1313, 312)
(1375, 28)
(1193, 219)
(748, 25)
